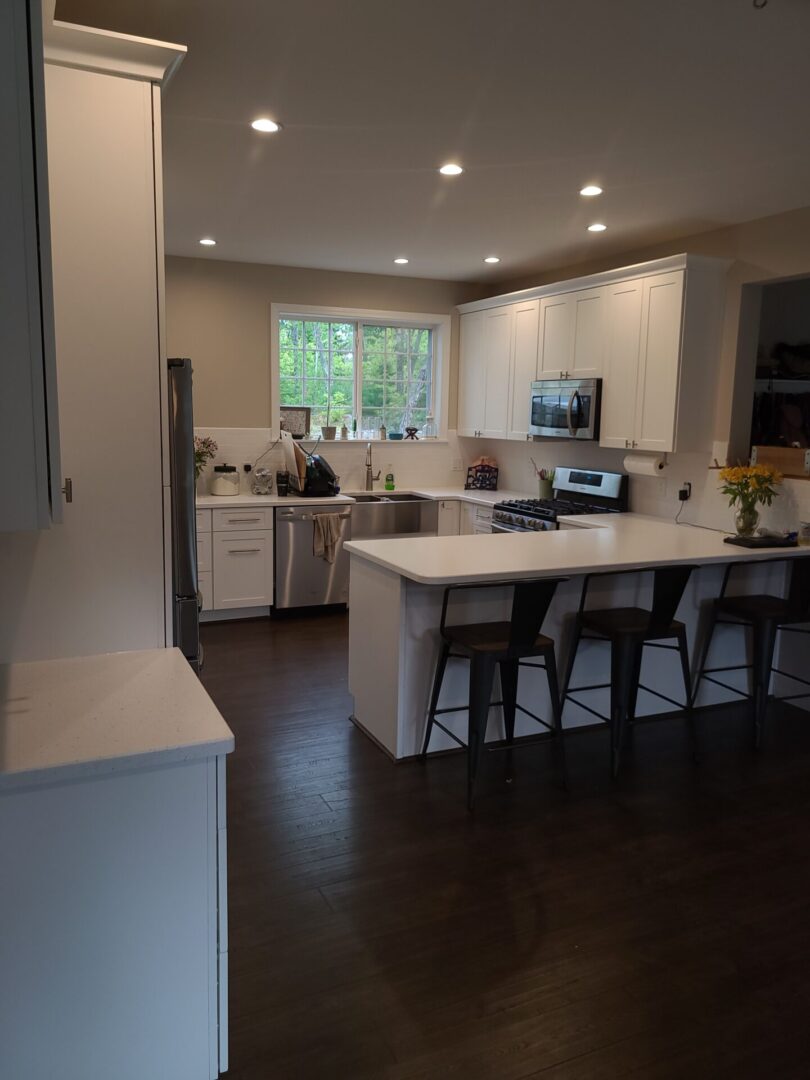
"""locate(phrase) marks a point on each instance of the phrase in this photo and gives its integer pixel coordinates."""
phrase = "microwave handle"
(572, 431)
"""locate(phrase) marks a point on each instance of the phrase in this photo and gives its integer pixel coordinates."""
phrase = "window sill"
(374, 442)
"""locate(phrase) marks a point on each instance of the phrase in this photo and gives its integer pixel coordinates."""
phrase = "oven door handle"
(569, 413)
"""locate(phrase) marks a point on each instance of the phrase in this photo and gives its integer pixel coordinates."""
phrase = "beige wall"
(218, 313)
(772, 247)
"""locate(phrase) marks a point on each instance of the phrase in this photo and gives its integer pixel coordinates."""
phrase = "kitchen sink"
(376, 516)
(386, 497)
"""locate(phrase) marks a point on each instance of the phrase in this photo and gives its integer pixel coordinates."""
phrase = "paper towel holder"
(648, 464)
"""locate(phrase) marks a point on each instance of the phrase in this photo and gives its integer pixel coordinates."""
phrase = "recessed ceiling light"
(451, 169)
(265, 124)
(597, 227)
(590, 190)
(492, 259)
(401, 261)
(207, 241)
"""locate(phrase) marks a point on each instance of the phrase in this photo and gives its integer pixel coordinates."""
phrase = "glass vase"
(746, 520)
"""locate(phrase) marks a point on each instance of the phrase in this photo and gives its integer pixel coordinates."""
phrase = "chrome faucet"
(370, 475)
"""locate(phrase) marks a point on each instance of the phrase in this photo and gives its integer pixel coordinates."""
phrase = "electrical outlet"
(458, 465)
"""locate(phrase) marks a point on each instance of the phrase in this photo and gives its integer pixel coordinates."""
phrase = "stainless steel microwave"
(565, 408)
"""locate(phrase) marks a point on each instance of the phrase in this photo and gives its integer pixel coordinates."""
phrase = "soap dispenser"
(389, 478)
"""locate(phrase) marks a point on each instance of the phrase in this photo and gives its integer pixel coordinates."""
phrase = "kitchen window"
(377, 371)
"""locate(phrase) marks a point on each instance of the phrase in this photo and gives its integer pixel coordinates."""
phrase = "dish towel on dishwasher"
(325, 535)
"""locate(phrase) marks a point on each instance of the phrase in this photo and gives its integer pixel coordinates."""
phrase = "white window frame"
(439, 324)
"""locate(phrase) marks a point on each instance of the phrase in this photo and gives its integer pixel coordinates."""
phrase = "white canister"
(225, 480)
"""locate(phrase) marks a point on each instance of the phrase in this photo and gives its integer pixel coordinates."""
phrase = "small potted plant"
(205, 449)
(328, 430)
(746, 487)
(545, 480)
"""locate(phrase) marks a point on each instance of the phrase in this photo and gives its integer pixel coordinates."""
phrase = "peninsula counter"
(397, 587)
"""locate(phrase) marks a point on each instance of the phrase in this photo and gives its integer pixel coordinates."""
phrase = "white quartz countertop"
(481, 498)
(228, 502)
(602, 543)
(62, 719)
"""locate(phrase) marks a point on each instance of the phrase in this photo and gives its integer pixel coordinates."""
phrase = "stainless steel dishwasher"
(301, 578)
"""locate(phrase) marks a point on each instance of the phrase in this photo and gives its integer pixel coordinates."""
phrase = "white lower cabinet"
(243, 569)
(475, 519)
(449, 512)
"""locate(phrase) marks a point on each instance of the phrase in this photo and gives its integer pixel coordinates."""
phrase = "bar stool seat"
(632, 621)
(509, 646)
(494, 638)
(758, 607)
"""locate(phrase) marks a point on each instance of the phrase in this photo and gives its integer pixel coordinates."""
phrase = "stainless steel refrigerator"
(186, 619)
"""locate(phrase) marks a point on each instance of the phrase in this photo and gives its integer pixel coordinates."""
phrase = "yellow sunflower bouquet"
(747, 486)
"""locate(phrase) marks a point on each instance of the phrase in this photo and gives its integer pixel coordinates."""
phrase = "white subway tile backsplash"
(424, 462)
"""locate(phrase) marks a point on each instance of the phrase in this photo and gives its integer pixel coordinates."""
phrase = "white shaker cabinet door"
(556, 336)
(659, 366)
(498, 347)
(472, 375)
(449, 512)
(589, 334)
(243, 569)
(621, 364)
(524, 366)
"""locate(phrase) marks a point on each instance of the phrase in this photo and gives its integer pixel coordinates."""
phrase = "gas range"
(576, 491)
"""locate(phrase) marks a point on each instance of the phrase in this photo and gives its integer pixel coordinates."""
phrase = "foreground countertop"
(601, 543)
(480, 498)
(63, 719)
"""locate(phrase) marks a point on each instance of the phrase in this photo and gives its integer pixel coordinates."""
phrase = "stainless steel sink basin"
(392, 513)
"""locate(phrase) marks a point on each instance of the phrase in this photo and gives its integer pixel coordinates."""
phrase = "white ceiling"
(692, 114)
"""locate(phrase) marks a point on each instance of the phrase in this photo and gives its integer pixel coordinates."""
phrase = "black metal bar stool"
(507, 645)
(629, 630)
(765, 615)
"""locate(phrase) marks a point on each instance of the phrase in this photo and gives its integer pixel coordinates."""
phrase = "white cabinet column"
(524, 367)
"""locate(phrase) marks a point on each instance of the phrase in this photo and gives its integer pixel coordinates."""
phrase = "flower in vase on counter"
(747, 486)
(205, 449)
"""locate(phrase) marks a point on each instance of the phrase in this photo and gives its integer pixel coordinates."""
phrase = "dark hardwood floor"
(654, 927)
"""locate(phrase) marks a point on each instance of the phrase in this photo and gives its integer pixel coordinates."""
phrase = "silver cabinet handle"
(243, 551)
(234, 521)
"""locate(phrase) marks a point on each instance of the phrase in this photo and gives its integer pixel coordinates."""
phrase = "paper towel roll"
(645, 465)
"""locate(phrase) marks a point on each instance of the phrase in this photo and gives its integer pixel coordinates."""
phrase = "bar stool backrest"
(799, 588)
(668, 586)
(530, 604)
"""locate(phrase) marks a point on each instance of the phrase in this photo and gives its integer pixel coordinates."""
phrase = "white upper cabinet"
(524, 367)
(572, 335)
(642, 364)
(498, 350)
(472, 375)
(587, 349)
(29, 435)
(556, 336)
(620, 377)
(651, 332)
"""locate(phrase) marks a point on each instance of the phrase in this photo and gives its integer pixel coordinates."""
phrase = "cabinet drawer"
(205, 585)
(203, 553)
(483, 514)
(203, 521)
(243, 569)
(250, 517)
